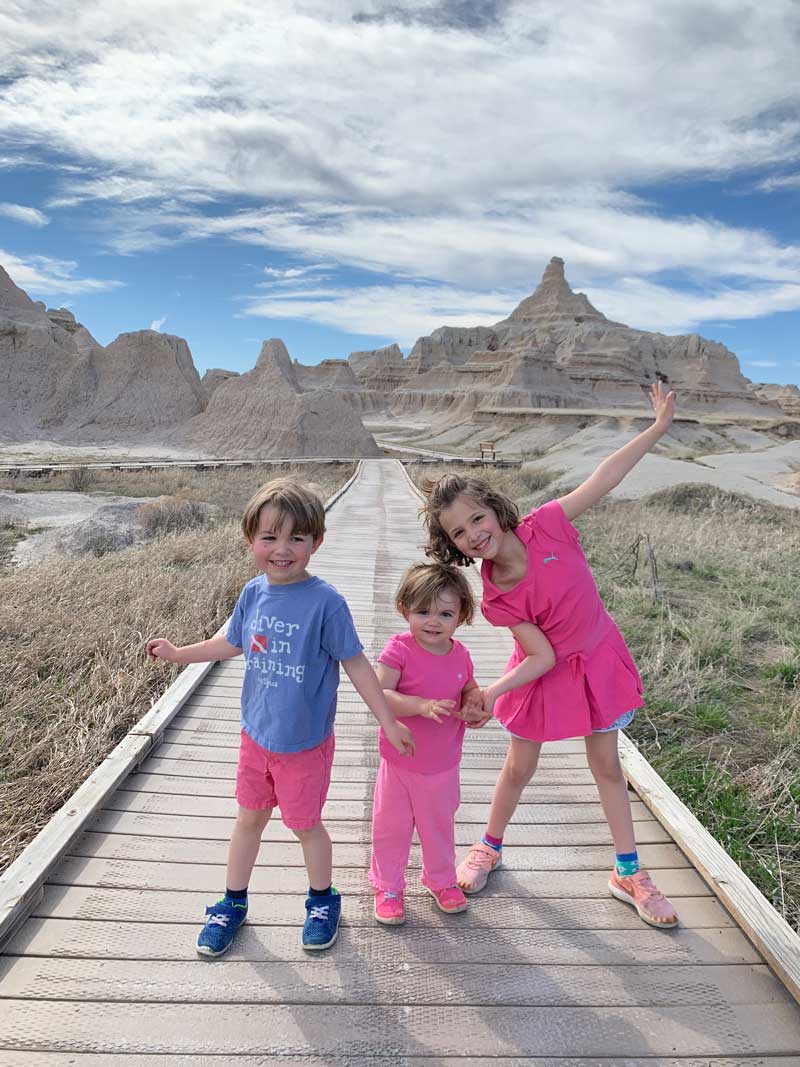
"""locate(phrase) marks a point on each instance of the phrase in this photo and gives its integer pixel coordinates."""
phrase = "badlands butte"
(553, 371)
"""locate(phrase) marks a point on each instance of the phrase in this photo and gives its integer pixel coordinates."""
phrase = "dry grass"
(74, 675)
(227, 487)
(717, 640)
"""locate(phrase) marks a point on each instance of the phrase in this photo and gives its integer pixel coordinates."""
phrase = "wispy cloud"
(45, 276)
(760, 363)
(30, 216)
(784, 181)
(156, 324)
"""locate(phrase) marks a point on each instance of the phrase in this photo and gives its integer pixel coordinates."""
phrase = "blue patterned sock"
(627, 863)
(493, 842)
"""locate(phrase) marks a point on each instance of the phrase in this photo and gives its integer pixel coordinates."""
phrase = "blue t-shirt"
(293, 637)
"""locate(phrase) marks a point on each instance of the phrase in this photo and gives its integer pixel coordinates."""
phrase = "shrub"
(80, 480)
(172, 514)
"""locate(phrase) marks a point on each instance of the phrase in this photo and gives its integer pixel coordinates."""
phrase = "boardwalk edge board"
(21, 884)
(759, 920)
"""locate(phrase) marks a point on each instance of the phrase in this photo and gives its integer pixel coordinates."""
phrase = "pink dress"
(594, 679)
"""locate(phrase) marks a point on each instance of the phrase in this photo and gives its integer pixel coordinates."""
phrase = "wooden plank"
(280, 909)
(579, 781)
(768, 930)
(359, 806)
(394, 1029)
(78, 1059)
(349, 831)
(209, 879)
(453, 942)
(394, 1058)
(277, 854)
(320, 982)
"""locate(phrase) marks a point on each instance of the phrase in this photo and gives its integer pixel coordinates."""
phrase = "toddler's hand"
(400, 737)
(435, 709)
(161, 648)
(472, 710)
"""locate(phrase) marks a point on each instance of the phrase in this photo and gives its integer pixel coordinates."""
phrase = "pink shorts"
(296, 782)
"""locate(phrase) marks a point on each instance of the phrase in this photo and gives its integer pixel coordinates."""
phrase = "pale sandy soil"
(50, 452)
(51, 513)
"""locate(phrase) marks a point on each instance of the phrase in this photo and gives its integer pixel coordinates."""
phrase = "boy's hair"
(423, 582)
(440, 494)
(291, 499)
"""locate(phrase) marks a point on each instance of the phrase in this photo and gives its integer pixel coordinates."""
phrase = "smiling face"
(432, 625)
(280, 553)
(473, 528)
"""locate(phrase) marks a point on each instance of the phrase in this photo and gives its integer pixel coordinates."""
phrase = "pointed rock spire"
(554, 301)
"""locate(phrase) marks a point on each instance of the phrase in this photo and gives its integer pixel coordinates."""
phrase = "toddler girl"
(428, 681)
(534, 571)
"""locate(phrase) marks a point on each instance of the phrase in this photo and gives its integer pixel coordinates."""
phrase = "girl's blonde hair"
(424, 582)
(440, 494)
(291, 499)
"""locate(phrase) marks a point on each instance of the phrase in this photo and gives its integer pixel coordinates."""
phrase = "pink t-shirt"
(594, 680)
(422, 674)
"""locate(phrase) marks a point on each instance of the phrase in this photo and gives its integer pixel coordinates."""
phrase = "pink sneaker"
(450, 899)
(389, 908)
(638, 889)
(473, 874)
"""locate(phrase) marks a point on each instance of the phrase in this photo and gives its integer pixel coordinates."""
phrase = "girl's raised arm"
(611, 471)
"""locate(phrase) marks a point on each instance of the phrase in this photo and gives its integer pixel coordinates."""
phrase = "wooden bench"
(488, 447)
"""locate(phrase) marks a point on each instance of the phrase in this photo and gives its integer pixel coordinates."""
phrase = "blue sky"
(344, 175)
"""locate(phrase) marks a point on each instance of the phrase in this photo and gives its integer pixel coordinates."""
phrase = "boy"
(294, 630)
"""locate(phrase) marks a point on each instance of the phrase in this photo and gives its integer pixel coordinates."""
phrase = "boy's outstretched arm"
(368, 687)
(215, 648)
(538, 660)
(611, 471)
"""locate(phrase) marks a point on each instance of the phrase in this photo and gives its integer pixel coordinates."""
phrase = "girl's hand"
(400, 737)
(663, 405)
(434, 709)
(472, 709)
(161, 648)
(489, 700)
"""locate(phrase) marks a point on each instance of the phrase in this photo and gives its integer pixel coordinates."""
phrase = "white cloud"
(452, 147)
(401, 312)
(45, 276)
(30, 216)
(401, 111)
(156, 324)
(760, 363)
(785, 181)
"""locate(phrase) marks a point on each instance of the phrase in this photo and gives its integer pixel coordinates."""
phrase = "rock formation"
(145, 381)
(265, 412)
(44, 364)
(787, 397)
(214, 377)
(557, 350)
(379, 371)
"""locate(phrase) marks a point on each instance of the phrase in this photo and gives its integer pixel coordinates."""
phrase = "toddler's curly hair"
(424, 582)
(440, 494)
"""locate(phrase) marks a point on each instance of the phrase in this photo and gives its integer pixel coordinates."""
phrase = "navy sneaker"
(321, 927)
(224, 919)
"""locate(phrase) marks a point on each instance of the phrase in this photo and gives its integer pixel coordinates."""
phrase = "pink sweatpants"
(405, 799)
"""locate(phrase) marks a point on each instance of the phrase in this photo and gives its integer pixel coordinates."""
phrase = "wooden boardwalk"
(545, 968)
